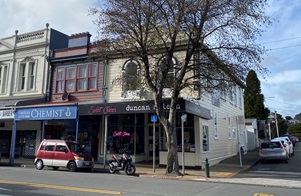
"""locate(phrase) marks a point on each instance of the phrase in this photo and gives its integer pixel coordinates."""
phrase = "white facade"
(226, 128)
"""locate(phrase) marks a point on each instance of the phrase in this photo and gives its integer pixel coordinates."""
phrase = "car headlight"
(79, 158)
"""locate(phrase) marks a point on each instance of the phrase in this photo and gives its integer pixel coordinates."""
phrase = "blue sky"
(281, 86)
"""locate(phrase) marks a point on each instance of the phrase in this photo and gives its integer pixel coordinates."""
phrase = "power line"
(281, 40)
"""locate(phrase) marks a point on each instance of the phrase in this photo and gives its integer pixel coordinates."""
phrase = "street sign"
(154, 118)
(184, 117)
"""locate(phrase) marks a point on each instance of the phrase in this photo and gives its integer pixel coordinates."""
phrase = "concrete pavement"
(224, 171)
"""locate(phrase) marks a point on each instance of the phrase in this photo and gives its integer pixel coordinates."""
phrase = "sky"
(281, 86)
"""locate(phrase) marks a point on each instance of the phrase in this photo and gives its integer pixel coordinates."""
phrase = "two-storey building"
(23, 81)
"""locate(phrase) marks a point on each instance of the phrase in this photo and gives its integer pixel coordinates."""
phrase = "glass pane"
(92, 70)
(82, 71)
(70, 85)
(81, 84)
(59, 87)
(60, 74)
(92, 83)
(71, 73)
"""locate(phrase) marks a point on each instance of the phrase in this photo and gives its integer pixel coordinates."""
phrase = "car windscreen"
(74, 147)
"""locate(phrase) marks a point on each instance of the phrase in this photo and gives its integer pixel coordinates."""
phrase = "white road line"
(275, 172)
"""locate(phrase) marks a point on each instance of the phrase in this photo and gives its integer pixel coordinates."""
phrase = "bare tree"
(217, 37)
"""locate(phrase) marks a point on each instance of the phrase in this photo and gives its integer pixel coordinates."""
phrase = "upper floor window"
(3, 78)
(81, 77)
(163, 64)
(131, 79)
(27, 75)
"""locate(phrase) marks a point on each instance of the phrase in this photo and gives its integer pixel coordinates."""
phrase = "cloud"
(67, 16)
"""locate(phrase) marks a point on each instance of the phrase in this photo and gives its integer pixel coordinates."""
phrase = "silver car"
(273, 150)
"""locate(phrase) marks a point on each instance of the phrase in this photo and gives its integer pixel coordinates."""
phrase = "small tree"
(217, 38)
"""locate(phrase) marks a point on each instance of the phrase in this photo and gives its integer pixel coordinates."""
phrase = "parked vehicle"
(61, 153)
(285, 145)
(290, 143)
(292, 138)
(122, 163)
(273, 150)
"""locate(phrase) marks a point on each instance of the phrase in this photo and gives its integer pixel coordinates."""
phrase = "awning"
(21, 102)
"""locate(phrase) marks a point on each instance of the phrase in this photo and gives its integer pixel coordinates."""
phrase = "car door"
(60, 158)
(48, 154)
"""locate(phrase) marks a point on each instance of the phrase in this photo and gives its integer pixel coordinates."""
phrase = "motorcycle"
(122, 163)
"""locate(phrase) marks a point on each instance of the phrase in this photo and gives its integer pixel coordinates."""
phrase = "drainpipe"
(49, 66)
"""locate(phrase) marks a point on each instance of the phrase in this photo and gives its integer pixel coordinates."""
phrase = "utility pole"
(276, 121)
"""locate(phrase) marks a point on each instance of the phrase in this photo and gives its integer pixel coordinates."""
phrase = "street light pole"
(276, 123)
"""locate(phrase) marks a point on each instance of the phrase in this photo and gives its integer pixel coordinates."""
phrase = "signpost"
(183, 119)
(154, 120)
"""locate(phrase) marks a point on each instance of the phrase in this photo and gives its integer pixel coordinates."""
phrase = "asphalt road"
(29, 181)
(280, 170)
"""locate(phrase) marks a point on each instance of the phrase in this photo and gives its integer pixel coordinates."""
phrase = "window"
(3, 78)
(80, 77)
(31, 76)
(171, 75)
(92, 77)
(131, 79)
(27, 72)
(22, 76)
(61, 148)
(70, 79)
(205, 138)
(60, 82)
(49, 146)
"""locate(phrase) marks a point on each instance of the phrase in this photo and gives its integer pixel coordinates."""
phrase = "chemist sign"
(46, 113)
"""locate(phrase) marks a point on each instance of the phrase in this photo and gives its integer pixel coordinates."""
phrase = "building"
(23, 81)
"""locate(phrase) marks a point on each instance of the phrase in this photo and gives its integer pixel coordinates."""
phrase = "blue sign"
(154, 118)
(46, 113)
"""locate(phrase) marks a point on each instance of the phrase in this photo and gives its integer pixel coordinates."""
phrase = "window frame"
(75, 78)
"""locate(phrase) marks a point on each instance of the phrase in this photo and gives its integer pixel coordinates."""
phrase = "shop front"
(128, 127)
(55, 122)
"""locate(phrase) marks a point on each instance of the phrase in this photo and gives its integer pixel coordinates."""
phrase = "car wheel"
(39, 164)
(72, 166)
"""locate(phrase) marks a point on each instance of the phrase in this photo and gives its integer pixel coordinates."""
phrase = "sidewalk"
(223, 172)
(225, 169)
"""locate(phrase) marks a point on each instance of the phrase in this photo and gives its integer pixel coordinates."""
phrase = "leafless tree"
(217, 37)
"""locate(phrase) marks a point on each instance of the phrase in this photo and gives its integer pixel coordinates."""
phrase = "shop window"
(205, 138)
(126, 135)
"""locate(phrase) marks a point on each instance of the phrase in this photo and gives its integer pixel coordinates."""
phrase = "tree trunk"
(172, 153)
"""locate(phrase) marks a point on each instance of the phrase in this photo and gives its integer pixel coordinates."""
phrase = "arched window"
(172, 73)
(131, 79)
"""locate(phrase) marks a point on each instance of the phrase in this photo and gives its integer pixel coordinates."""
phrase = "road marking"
(62, 187)
(262, 194)
(275, 172)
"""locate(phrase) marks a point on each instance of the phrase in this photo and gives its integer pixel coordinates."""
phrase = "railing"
(30, 36)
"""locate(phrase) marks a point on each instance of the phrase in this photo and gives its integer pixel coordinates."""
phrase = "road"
(280, 170)
(29, 181)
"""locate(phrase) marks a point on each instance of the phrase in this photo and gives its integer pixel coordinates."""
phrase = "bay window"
(79, 77)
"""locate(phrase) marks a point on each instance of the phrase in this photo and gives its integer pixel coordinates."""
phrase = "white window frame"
(207, 138)
(215, 127)
(130, 93)
(27, 75)
(3, 78)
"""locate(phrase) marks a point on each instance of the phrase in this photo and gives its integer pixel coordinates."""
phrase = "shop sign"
(6, 114)
(197, 110)
(46, 113)
(121, 134)
(125, 108)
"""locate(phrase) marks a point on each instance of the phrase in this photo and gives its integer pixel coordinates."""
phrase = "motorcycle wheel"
(130, 169)
(111, 169)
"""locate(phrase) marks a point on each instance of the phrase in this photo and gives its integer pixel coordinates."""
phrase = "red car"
(61, 153)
